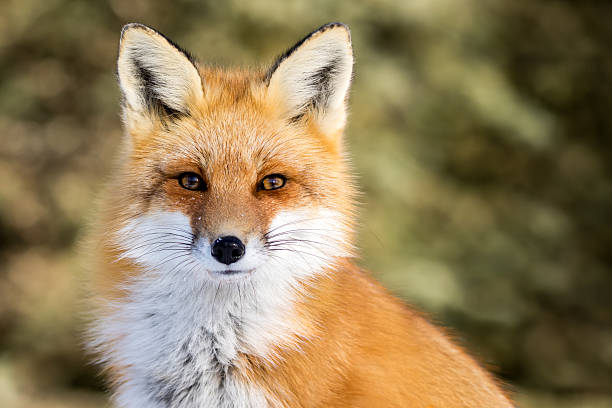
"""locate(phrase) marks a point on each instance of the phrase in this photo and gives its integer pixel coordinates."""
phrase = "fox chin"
(222, 271)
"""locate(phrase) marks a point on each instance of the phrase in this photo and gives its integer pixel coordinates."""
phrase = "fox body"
(222, 269)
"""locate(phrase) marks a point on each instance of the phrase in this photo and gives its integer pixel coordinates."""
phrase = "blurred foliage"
(480, 129)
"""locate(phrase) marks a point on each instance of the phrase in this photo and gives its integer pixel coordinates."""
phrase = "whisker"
(295, 231)
(157, 235)
(293, 250)
(161, 230)
(154, 243)
(134, 252)
(305, 241)
(292, 223)
(184, 263)
(169, 258)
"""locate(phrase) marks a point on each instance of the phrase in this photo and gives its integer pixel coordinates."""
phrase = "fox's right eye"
(191, 181)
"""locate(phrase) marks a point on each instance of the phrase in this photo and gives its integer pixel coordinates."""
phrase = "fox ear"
(156, 77)
(313, 77)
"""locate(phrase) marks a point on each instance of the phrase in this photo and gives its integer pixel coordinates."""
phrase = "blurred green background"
(480, 129)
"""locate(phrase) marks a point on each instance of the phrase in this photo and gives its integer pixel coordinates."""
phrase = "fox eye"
(272, 182)
(191, 181)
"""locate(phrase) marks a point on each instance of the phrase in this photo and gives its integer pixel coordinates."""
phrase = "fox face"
(234, 170)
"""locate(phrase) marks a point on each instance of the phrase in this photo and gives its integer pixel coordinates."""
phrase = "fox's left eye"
(272, 182)
(191, 181)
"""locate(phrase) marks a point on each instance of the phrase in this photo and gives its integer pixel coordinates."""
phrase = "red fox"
(222, 266)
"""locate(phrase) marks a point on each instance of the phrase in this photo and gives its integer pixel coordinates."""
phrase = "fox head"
(227, 175)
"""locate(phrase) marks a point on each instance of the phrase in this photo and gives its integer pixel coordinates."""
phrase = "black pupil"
(191, 181)
(273, 182)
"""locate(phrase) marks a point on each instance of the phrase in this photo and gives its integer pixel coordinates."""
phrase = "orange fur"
(359, 346)
(370, 350)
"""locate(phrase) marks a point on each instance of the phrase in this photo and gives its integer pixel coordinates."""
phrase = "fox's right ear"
(156, 76)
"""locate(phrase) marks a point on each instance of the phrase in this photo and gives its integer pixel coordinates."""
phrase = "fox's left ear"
(313, 78)
(157, 78)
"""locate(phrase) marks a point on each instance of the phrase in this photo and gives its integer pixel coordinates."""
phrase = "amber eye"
(191, 181)
(272, 182)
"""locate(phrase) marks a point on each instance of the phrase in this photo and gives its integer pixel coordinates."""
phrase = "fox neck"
(185, 354)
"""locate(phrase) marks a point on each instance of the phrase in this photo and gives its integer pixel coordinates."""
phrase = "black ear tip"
(333, 25)
(154, 33)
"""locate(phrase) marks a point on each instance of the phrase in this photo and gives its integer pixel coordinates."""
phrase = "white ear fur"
(314, 76)
(154, 73)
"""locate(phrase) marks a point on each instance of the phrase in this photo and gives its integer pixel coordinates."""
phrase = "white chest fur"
(178, 357)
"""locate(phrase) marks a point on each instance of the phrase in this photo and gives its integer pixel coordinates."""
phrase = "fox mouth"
(226, 273)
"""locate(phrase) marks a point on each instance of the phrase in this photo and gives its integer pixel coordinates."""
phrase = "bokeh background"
(480, 129)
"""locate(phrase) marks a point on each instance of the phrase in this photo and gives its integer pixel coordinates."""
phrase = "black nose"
(227, 250)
